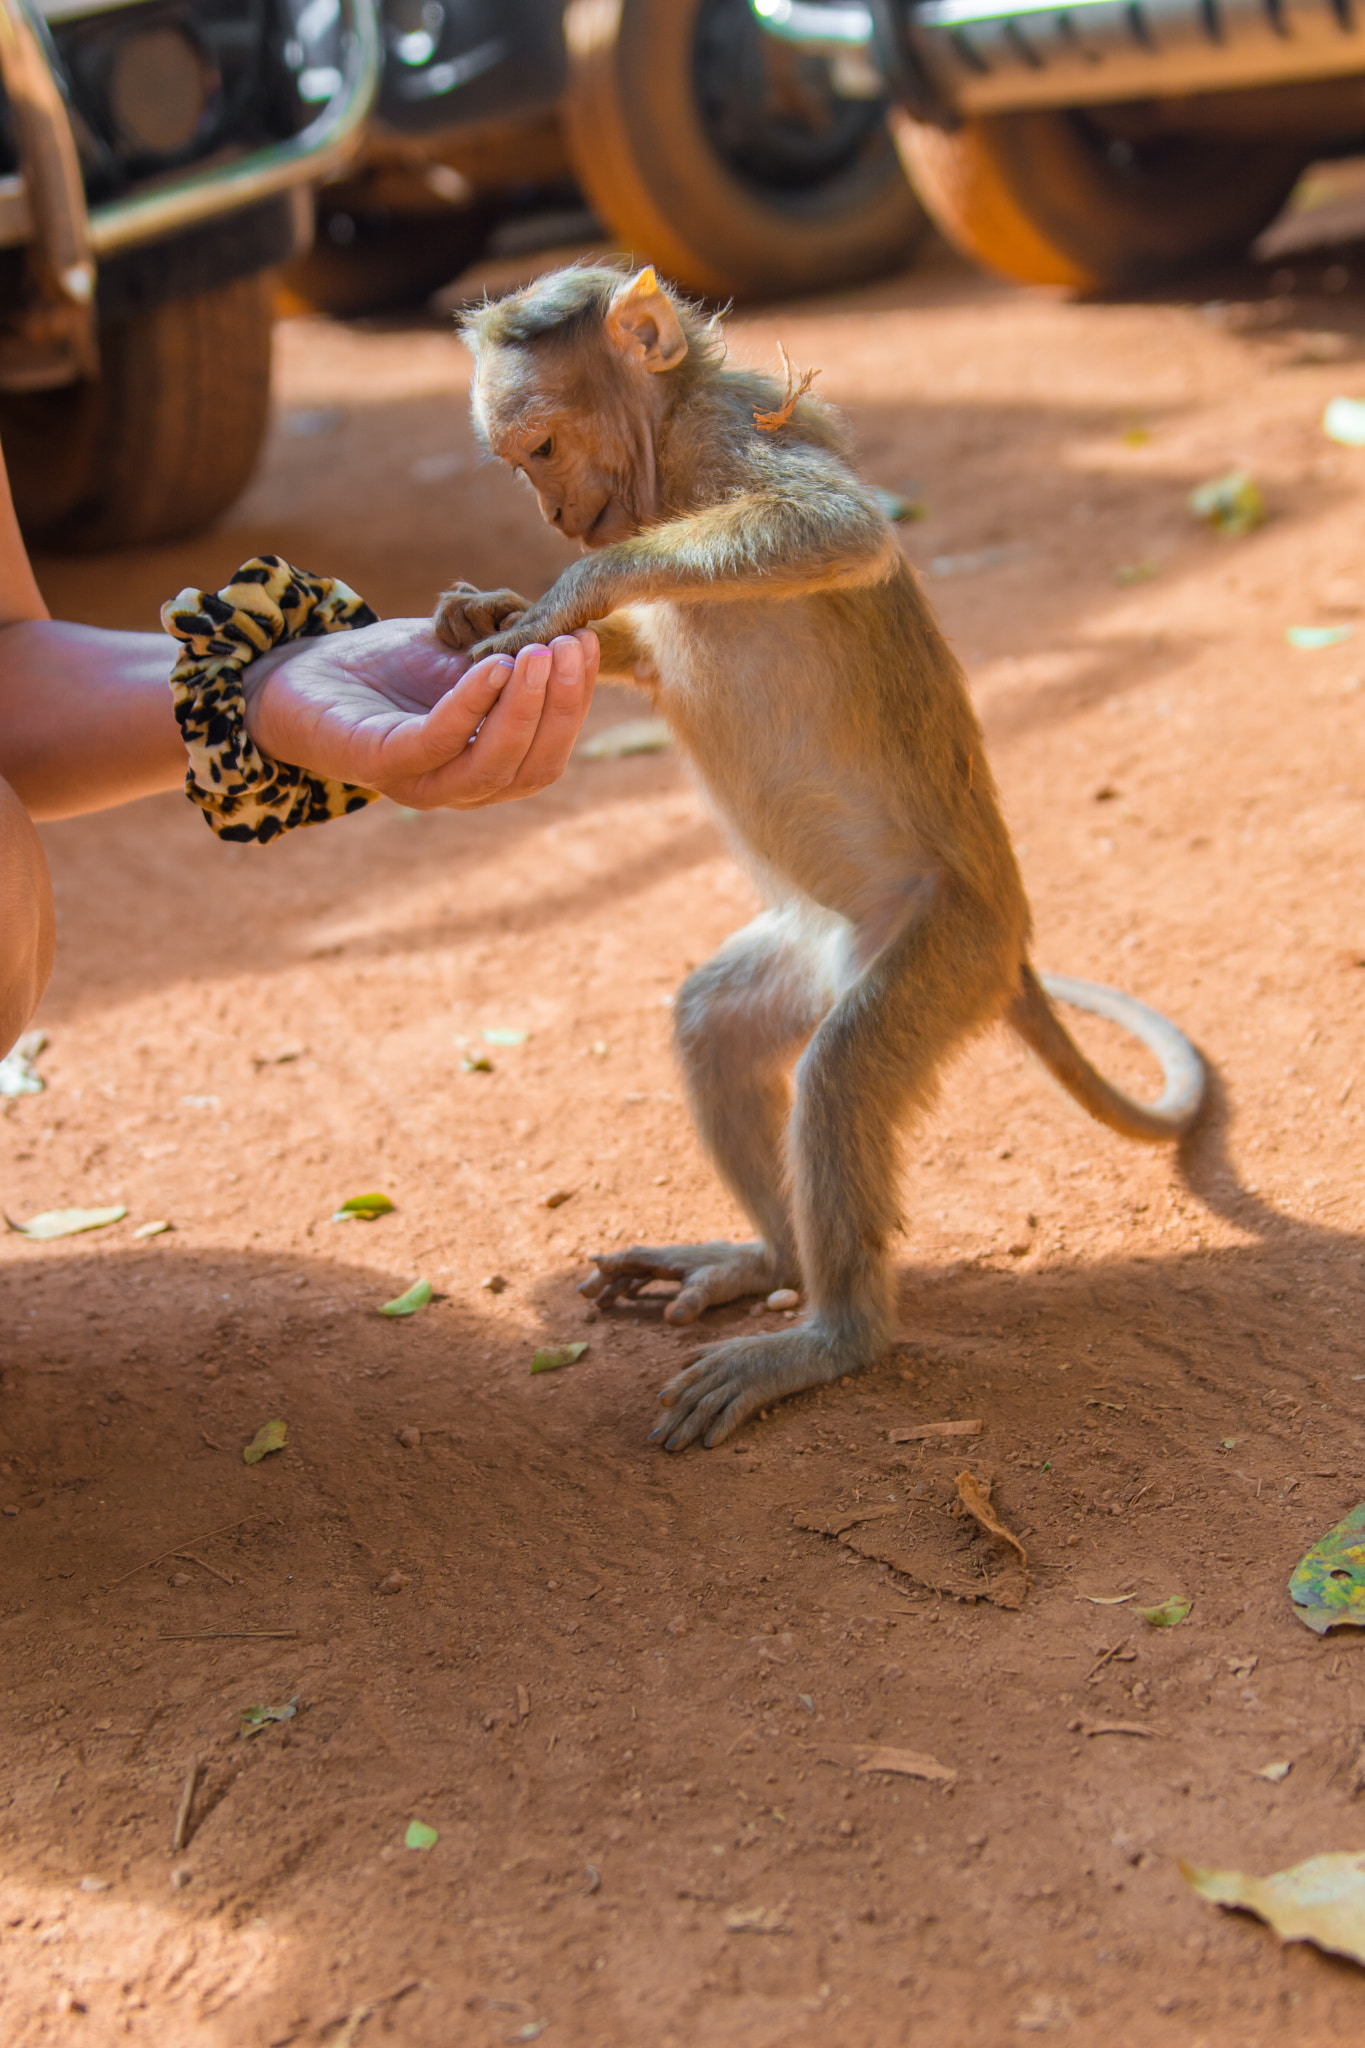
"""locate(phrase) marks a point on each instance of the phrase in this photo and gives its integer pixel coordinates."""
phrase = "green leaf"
(552, 1356)
(256, 1718)
(1322, 1900)
(1344, 421)
(269, 1437)
(1312, 637)
(1328, 1588)
(634, 736)
(67, 1222)
(417, 1296)
(363, 1209)
(1232, 502)
(1169, 1614)
(420, 1836)
(502, 1037)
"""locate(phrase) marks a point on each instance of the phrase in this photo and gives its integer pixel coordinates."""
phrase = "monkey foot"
(710, 1274)
(732, 1380)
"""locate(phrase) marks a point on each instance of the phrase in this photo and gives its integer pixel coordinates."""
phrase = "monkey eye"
(546, 449)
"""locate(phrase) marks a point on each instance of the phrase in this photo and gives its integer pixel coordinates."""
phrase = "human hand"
(391, 709)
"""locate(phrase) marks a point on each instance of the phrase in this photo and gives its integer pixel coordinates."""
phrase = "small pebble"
(181, 1579)
(410, 1438)
(495, 1284)
(212, 1369)
(94, 1884)
(180, 1877)
(784, 1297)
(393, 1582)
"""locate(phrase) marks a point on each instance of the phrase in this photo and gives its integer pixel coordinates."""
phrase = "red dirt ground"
(624, 1687)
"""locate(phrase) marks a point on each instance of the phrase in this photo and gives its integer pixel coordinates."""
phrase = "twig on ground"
(222, 1635)
(175, 1550)
(182, 1818)
(190, 1558)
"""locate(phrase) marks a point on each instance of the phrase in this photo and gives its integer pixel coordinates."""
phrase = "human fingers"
(568, 693)
(482, 773)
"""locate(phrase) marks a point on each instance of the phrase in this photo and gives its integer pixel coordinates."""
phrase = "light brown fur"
(743, 574)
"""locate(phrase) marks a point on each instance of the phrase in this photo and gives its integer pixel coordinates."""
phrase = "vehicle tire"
(723, 156)
(1055, 196)
(384, 261)
(163, 441)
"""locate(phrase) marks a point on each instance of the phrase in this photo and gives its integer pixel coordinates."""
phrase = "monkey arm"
(814, 535)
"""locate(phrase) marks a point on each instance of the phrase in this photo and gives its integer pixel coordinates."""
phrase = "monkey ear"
(643, 326)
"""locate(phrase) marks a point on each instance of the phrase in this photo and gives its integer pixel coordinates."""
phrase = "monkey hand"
(737, 1378)
(710, 1274)
(466, 614)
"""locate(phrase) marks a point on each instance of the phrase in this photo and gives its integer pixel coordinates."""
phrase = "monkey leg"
(739, 1020)
(873, 1061)
(466, 614)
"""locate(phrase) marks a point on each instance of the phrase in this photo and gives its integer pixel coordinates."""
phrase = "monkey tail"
(1032, 1016)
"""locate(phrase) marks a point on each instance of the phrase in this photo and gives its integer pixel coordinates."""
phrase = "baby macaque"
(736, 567)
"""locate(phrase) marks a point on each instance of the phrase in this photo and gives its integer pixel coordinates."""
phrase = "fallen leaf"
(417, 1296)
(1312, 637)
(1232, 502)
(256, 1718)
(926, 1432)
(1344, 421)
(899, 1763)
(420, 1836)
(17, 1073)
(1275, 1774)
(552, 1356)
(634, 736)
(1104, 1599)
(156, 1229)
(1328, 1586)
(757, 1919)
(476, 1063)
(363, 1209)
(894, 507)
(501, 1037)
(67, 1222)
(1169, 1614)
(976, 1500)
(269, 1437)
(1322, 1900)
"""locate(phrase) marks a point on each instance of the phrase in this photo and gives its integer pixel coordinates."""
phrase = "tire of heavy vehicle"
(1059, 197)
(166, 438)
(723, 157)
(384, 261)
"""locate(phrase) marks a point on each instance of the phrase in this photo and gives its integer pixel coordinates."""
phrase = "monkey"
(734, 566)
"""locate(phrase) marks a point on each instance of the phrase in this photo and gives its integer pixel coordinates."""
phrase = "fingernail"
(567, 659)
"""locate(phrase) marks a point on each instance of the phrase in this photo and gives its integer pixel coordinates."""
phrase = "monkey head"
(571, 385)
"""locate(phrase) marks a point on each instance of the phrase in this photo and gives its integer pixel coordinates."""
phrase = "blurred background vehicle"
(742, 165)
(1101, 144)
(157, 160)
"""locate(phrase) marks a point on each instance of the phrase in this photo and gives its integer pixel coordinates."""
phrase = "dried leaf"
(899, 1763)
(1275, 1774)
(634, 736)
(757, 1919)
(1344, 421)
(928, 1432)
(1313, 637)
(269, 1437)
(1104, 1599)
(976, 1500)
(67, 1222)
(363, 1209)
(256, 1718)
(476, 1063)
(156, 1229)
(552, 1356)
(420, 1836)
(1232, 502)
(1169, 1614)
(501, 1037)
(1328, 1587)
(1322, 1900)
(417, 1296)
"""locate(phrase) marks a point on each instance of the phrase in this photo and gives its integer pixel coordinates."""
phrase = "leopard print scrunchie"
(242, 794)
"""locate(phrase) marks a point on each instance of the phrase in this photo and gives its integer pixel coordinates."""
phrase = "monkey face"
(575, 405)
